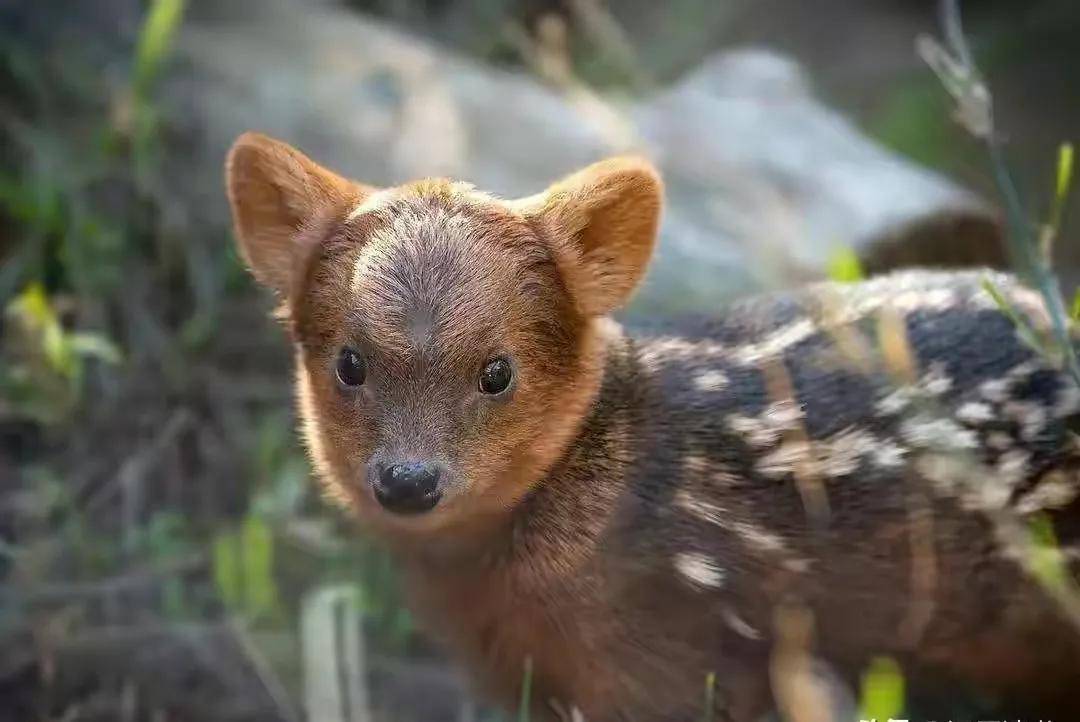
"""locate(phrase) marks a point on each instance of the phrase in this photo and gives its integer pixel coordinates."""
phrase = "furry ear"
(274, 190)
(603, 221)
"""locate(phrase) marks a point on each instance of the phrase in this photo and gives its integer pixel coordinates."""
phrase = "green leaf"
(94, 345)
(525, 706)
(844, 266)
(155, 38)
(1062, 185)
(227, 568)
(1046, 561)
(882, 693)
(32, 307)
(258, 555)
(37, 316)
(244, 569)
(1064, 172)
(1076, 306)
(710, 696)
(1023, 328)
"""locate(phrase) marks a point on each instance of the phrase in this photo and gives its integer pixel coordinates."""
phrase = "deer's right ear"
(274, 191)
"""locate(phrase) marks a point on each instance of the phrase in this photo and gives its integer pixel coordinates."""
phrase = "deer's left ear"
(603, 222)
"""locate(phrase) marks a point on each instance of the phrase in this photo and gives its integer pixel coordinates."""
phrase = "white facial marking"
(369, 204)
(699, 569)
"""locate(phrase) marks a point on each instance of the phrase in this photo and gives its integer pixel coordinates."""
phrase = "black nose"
(407, 488)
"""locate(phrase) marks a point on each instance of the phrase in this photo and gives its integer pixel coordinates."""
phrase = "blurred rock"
(755, 165)
(765, 183)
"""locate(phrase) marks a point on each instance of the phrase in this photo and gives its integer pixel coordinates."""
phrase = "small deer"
(807, 481)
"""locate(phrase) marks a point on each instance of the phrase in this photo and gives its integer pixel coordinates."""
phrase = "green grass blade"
(155, 39)
(844, 266)
(1023, 328)
(882, 693)
(525, 706)
(710, 696)
(1064, 173)
(1046, 561)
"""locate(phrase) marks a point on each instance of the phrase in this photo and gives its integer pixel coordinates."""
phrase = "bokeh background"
(163, 554)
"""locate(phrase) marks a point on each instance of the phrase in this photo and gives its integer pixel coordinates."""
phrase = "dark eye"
(350, 368)
(496, 376)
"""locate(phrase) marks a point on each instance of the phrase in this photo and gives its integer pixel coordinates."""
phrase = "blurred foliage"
(42, 369)
(844, 266)
(111, 297)
(243, 570)
(882, 693)
(915, 123)
(710, 697)
(105, 289)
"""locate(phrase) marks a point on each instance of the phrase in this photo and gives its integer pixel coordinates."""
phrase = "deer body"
(822, 476)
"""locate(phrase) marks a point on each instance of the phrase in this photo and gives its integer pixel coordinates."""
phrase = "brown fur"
(556, 532)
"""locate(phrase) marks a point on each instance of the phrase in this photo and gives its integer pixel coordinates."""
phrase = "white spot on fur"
(1012, 467)
(978, 487)
(699, 569)
(776, 342)
(1054, 491)
(889, 455)
(672, 348)
(1024, 369)
(785, 415)
(707, 511)
(934, 299)
(975, 413)
(928, 432)
(839, 455)
(996, 390)
(784, 460)
(946, 471)
(711, 381)
(1068, 400)
(694, 464)
(799, 566)
(1030, 415)
(757, 433)
(768, 428)
(738, 625)
(934, 382)
(895, 401)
